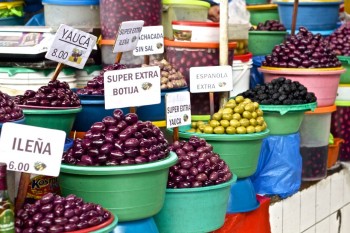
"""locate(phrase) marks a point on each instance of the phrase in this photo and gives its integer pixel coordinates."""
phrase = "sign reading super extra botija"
(132, 87)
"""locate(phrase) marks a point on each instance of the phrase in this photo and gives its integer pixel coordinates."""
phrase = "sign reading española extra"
(211, 79)
(132, 87)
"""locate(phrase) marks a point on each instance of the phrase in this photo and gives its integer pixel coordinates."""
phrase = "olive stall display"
(238, 116)
(303, 50)
(9, 111)
(118, 140)
(171, 78)
(280, 91)
(197, 166)
(55, 94)
(54, 213)
(269, 25)
(96, 85)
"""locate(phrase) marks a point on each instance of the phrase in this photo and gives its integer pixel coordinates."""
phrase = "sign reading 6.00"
(71, 46)
(13, 166)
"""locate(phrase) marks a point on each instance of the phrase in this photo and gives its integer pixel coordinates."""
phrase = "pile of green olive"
(238, 116)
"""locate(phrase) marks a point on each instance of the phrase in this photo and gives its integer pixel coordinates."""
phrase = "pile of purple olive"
(314, 162)
(9, 111)
(303, 50)
(269, 25)
(197, 166)
(55, 94)
(118, 140)
(339, 40)
(53, 213)
(96, 85)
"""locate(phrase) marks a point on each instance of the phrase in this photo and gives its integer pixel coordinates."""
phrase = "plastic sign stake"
(128, 36)
(178, 109)
(71, 47)
(211, 79)
(151, 41)
(35, 150)
(132, 87)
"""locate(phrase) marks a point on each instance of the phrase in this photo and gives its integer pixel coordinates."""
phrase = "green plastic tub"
(240, 151)
(131, 192)
(256, 2)
(261, 43)
(194, 210)
(261, 13)
(285, 119)
(345, 77)
(61, 119)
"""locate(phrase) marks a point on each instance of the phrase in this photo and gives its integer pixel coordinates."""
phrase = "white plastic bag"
(238, 13)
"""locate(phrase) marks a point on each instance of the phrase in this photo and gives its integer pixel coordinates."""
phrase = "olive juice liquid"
(7, 219)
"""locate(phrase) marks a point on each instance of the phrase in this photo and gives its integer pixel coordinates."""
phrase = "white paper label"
(211, 79)
(128, 36)
(178, 109)
(151, 41)
(32, 149)
(132, 87)
(71, 46)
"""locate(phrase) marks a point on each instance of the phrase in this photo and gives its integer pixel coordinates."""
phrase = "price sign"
(151, 41)
(128, 36)
(178, 109)
(32, 149)
(211, 79)
(71, 46)
(132, 87)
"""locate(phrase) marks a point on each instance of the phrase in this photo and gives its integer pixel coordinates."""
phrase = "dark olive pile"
(9, 111)
(269, 25)
(53, 213)
(339, 40)
(55, 94)
(303, 50)
(198, 165)
(280, 91)
(96, 85)
(118, 140)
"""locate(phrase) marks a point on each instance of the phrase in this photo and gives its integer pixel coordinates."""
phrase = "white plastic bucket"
(241, 67)
(23, 79)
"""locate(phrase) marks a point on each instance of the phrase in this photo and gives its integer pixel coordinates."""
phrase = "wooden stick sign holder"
(295, 14)
(58, 70)
(175, 134)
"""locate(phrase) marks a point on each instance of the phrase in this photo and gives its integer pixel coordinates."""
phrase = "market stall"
(146, 117)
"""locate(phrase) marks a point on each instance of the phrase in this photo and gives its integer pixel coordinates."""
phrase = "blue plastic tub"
(312, 15)
(242, 197)
(139, 226)
(156, 112)
(93, 111)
